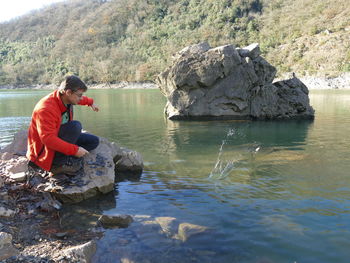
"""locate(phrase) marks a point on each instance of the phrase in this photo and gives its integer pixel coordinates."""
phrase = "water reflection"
(220, 147)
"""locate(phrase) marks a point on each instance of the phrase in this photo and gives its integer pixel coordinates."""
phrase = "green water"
(279, 192)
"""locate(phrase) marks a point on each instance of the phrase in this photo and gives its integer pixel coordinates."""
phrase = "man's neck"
(63, 97)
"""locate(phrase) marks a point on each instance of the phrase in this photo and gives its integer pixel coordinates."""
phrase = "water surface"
(273, 191)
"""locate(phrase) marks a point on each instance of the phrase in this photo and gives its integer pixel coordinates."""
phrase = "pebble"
(6, 212)
(19, 177)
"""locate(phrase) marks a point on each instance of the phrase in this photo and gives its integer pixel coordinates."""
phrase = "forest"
(134, 40)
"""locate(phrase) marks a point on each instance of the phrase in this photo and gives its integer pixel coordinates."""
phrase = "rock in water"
(187, 230)
(229, 83)
(110, 221)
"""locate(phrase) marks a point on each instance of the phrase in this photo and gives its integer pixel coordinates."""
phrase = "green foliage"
(108, 41)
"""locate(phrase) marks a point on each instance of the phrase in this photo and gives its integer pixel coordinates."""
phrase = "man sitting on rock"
(55, 141)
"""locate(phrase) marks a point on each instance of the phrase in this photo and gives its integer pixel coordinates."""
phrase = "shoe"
(70, 167)
(59, 179)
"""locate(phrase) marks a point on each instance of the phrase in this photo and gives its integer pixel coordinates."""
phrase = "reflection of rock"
(98, 175)
(6, 248)
(229, 83)
(282, 156)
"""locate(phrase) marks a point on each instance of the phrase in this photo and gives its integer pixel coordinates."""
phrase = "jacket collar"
(61, 105)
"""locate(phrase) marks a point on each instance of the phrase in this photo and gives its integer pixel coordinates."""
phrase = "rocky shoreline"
(41, 222)
(312, 82)
(31, 202)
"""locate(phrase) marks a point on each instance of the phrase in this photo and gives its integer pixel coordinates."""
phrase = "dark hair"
(73, 83)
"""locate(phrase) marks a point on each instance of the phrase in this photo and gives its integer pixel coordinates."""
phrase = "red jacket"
(43, 139)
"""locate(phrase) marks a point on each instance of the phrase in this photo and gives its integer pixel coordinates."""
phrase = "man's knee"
(75, 126)
(70, 131)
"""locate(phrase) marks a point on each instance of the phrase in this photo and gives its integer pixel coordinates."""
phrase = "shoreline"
(119, 85)
(341, 82)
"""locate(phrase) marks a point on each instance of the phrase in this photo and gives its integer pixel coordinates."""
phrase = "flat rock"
(7, 250)
(82, 253)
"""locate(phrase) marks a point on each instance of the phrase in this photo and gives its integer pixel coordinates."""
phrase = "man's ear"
(68, 92)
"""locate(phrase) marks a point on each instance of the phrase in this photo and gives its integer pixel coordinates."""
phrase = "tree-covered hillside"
(108, 41)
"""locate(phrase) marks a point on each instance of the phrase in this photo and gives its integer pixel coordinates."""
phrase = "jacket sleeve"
(46, 124)
(86, 101)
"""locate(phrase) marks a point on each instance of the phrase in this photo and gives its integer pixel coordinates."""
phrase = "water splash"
(223, 168)
(225, 165)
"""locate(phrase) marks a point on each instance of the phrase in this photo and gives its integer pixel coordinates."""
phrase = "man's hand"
(94, 107)
(81, 152)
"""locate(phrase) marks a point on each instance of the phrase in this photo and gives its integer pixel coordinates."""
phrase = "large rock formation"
(102, 167)
(229, 83)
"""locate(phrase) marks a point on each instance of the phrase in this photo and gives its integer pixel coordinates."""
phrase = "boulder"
(287, 99)
(229, 83)
(127, 161)
(97, 176)
(7, 250)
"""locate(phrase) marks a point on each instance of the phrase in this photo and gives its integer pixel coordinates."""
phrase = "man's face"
(74, 96)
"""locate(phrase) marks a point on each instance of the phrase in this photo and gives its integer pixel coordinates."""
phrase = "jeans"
(71, 132)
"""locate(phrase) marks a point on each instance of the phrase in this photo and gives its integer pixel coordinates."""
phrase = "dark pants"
(71, 132)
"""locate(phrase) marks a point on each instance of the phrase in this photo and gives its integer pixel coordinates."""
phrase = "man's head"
(72, 89)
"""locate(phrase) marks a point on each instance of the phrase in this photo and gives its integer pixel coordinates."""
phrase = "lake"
(269, 191)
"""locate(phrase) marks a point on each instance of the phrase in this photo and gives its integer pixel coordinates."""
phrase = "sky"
(12, 8)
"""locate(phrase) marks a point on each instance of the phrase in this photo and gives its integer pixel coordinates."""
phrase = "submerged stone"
(110, 221)
(187, 230)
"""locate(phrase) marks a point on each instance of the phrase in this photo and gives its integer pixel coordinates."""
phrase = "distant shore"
(313, 83)
(321, 83)
(119, 85)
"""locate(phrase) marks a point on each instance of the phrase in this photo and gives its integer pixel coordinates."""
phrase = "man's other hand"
(81, 152)
(94, 107)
